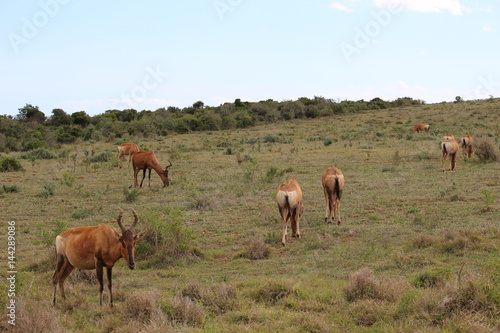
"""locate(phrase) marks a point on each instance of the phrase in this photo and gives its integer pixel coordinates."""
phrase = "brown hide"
(421, 127)
(126, 149)
(333, 186)
(94, 247)
(146, 160)
(289, 200)
(466, 142)
(449, 150)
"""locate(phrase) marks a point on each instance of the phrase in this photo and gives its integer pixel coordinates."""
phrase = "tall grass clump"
(102, 157)
(216, 298)
(68, 179)
(256, 250)
(142, 305)
(48, 190)
(131, 195)
(40, 154)
(364, 285)
(486, 151)
(167, 239)
(8, 164)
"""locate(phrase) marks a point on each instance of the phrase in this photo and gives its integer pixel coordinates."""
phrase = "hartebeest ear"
(139, 235)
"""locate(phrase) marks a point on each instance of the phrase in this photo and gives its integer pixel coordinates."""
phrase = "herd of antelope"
(96, 247)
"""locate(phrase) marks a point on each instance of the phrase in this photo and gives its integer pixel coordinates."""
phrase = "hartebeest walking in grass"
(146, 160)
(94, 248)
(289, 199)
(126, 149)
(421, 127)
(466, 142)
(449, 149)
(333, 185)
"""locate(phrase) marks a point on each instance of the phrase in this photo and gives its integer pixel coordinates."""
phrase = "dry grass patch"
(141, 306)
(364, 285)
(217, 298)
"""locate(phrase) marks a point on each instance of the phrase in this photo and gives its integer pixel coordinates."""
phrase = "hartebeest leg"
(327, 205)
(295, 224)
(99, 271)
(453, 161)
(109, 270)
(284, 223)
(337, 213)
(442, 162)
(63, 270)
(136, 171)
(149, 185)
(143, 175)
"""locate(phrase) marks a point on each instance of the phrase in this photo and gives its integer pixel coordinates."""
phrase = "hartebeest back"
(289, 199)
(466, 142)
(421, 127)
(449, 149)
(126, 149)
(94, 248)
(146, 160)
(333, 186)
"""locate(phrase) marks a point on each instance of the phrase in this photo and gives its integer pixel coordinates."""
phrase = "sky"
(95, 56)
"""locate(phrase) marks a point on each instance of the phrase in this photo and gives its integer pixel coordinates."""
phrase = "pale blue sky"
(97, 55)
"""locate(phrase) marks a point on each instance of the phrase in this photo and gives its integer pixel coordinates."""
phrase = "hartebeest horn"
(136, 218)
(119, 220)
(168, 166)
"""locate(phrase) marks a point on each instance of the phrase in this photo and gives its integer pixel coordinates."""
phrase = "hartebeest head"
(128, 239)
(164, 175)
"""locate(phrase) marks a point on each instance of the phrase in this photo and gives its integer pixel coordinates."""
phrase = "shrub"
(9, 189)
(432, 277)
(217, 298)
(8, 164)
(485, 151)
(48, 190)
(40, 154)
(364, 285)
(102, 157)
(256, 250)
(131, 195)
(141, 305)
(68, 179)
(187, 311)
(272, 292)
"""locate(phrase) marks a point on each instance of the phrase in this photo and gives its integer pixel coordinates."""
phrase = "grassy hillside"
(418, 249)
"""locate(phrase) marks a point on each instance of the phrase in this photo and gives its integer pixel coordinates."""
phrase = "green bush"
(39, 154)
(8, 164)
(131, 195)
(102, 157)
(432, 277)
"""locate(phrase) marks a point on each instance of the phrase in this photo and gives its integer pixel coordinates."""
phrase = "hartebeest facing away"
(146, 160)
(449, 149)
(94, 248)
(421, 127)
(289, 199)
(466, 142)
(333, 185)
(126, 149)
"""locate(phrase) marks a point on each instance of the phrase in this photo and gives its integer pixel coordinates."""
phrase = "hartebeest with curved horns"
(94, 248)
(449, 149)
(289, 199)
(466, 142)
(126, 149)
(146, 160)
(333, 185)
(421, 127)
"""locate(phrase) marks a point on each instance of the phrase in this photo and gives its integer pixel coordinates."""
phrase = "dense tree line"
(31, 128)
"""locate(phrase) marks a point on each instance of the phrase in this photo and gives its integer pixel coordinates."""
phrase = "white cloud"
(425, 6)
(341, 7)
(486, 28)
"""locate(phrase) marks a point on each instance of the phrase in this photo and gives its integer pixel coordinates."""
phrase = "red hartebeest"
(449, 148)
(289, 199)
(466, 142)
(421, 127)
(126, 149)
(146, 160)
(94, 248)
(333, 185)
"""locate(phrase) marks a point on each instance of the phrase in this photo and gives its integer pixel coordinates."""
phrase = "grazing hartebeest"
(333, 185)
(449, 148)
(289, 199)
(421, 127)
(146, 160)
(467, 141)
(94, 248)
(126, 149)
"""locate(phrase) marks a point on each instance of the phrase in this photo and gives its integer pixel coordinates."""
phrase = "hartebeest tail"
(126, 149)
(94, 248)
(289, 200)
(146, 160)
(421, 127)
(449, 149)
(333, 186)
(466, 142)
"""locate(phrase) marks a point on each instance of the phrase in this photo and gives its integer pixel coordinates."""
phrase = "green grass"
(417, 250)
